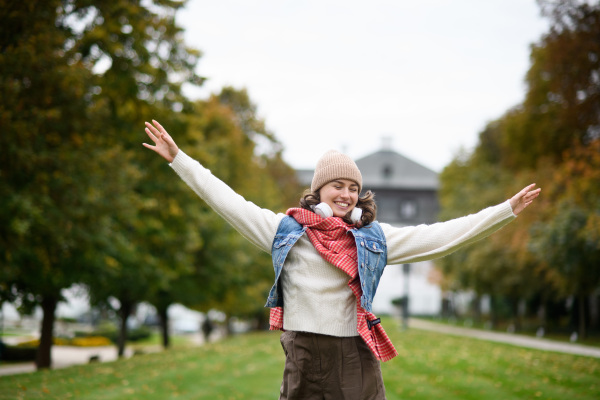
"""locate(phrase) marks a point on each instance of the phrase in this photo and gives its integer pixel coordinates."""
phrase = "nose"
(345, 193)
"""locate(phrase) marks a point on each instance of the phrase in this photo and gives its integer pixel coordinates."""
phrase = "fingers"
(159, 126)
(530, 196)
(162, 130)
(527, 192)
(524, 198)
(151, 136)
(154, 134)
(527, 189)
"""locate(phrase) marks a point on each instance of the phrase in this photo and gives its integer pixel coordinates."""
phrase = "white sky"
(344, 74)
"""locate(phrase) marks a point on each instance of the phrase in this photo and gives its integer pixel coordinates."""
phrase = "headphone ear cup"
(323, 210)
(356, 214)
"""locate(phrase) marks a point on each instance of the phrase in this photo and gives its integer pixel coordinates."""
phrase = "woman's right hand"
(164, 144)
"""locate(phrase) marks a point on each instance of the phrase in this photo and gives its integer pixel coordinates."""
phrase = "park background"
(84, 205)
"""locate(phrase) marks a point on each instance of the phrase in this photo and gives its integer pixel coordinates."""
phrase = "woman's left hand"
(524, 198)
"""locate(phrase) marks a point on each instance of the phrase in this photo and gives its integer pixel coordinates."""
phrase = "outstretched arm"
(426, 242)
(524, 198)
(164, 144)
(254, 223)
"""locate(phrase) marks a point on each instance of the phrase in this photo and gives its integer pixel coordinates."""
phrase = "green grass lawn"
(430, 366)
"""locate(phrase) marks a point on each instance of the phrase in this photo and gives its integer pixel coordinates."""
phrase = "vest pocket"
(374, 254)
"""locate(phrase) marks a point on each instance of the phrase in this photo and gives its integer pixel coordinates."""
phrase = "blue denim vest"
(371, 251)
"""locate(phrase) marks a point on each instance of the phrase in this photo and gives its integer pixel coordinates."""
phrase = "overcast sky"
(343, 75)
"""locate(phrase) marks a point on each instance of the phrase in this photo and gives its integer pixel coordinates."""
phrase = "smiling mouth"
(343, 205)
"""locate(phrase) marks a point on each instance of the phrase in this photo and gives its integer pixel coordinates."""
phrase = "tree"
(76, 78)
(49, 195)
(568, 239)
(539, 140)
(562, 106)
(496, 265)
(226, 136)
(141, 63)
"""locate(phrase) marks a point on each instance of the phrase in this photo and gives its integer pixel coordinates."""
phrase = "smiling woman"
(327, 268)
(341, 195)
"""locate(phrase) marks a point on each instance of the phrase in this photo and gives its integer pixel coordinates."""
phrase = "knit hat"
(335, 165)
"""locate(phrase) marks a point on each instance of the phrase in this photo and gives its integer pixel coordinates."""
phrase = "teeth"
(342, 204)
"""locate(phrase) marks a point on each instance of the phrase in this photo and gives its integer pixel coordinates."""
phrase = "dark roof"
(391, 170)
(387, 169)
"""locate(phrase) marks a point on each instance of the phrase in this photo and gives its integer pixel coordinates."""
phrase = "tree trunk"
(516, 313)
(262, 320)
(164, 325)
(542, 314)
(593, 309)
(44, 353)
(493, 311)
(581, 313)
(227, 326)
(124, 313)
(476, 308)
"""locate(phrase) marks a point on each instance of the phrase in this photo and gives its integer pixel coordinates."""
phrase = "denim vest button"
(362, 244)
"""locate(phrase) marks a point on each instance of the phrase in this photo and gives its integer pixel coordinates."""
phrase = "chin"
(340, 214)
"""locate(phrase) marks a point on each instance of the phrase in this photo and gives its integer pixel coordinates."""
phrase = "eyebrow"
(341, 183)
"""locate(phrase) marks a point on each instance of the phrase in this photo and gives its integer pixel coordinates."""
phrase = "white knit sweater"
(316, 294)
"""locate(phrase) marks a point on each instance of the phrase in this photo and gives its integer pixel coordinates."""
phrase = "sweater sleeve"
(256, 224)
(426, 242)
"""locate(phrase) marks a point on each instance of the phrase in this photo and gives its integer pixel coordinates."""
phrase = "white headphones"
(325, 211)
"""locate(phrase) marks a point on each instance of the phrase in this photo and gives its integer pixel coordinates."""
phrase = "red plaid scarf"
(330, 238)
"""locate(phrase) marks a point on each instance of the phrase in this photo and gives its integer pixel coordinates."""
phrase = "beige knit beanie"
(335, 165)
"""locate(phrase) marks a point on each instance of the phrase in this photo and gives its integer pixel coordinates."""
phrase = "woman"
(328, 256)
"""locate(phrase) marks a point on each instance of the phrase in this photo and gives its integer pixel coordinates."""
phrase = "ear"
(323, 210)
(355, 215)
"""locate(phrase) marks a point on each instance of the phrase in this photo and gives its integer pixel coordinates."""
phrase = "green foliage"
(569, 238)
(551, 252)
(83, 202)
(224, 134)
(51, 171)
(562, 105)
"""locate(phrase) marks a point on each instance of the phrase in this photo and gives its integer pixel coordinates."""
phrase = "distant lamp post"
(405, 313)
(1, 332)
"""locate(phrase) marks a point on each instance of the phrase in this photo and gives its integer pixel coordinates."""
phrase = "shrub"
(140, 333)
(91, 341)
(17, 353)
(111, 332)
(36, 342)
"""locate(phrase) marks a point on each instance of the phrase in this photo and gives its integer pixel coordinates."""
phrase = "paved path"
(66, 356)
(510, 338)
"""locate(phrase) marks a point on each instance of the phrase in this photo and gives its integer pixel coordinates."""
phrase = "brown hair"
(366, 202)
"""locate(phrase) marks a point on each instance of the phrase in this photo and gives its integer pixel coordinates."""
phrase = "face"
(341, 195)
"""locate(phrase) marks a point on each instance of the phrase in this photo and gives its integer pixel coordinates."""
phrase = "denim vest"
(371, 251)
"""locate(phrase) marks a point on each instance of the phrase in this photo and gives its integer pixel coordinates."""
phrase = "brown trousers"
(320, 367)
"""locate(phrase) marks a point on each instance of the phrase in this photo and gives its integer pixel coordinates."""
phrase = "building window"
(387, 171)
(408, 209)
(387, 208)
